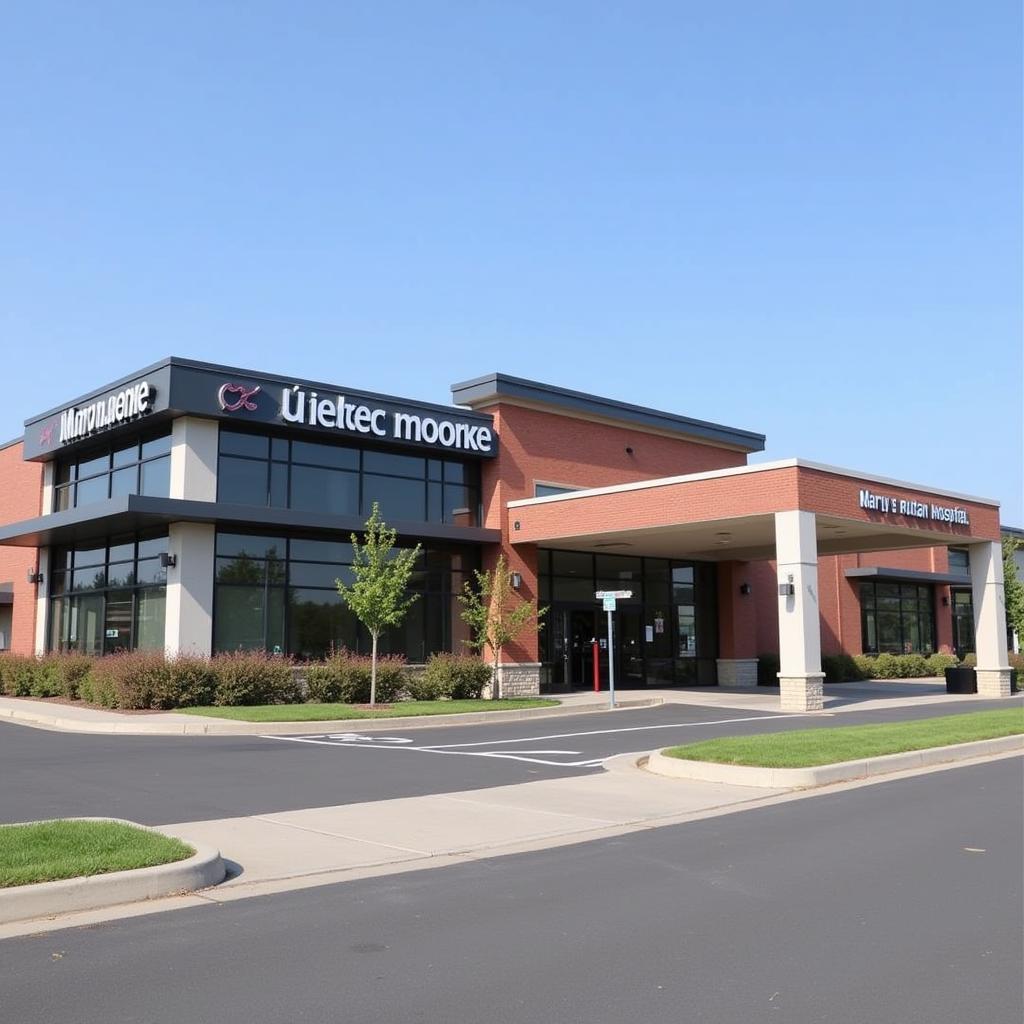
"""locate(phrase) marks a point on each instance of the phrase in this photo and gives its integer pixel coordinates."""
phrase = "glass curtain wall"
(278, 593)
(139, 466)
(254, 469)
(108, 596)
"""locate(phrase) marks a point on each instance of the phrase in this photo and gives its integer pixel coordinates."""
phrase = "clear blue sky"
(802, 218)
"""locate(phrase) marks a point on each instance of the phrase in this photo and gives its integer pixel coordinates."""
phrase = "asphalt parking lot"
(156, 780)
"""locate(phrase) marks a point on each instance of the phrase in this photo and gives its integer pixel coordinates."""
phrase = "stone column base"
(802, 693)
(737, 671)
(517, 681)
(993, 682)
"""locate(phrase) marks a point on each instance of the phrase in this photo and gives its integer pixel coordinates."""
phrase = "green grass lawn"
(48, 850)
(805, 748)
(340, 712)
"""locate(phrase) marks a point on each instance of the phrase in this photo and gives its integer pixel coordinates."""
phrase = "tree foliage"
(1013, 587)
(496, 613)
(378, 593)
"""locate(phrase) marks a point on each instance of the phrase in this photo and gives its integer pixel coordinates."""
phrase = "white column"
(42, 599)
(46, 505)
(989, 599)
(188, 626)
(796, 552)
(194, 458)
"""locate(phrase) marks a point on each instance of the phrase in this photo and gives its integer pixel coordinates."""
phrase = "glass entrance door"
(963, 622)
(117, 631)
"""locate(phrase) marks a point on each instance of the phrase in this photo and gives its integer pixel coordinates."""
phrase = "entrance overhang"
(730, 514)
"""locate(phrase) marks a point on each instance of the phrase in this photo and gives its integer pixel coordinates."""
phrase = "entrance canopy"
(730, 514)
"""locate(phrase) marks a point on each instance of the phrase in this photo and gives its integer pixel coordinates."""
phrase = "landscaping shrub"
(911, 666)
(450, 677)
(1017, 662)
(841, 668)
(127, 679)
(937, 664)
(970, 661)
(254, 677)
(768, 670)
(44, 679)
(190, 681)
(345, 678)
(17, 674)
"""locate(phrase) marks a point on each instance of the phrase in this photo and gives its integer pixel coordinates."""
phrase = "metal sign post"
(608, 598)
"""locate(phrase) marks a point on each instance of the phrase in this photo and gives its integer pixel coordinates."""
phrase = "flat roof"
(757, 467)
(495, 386)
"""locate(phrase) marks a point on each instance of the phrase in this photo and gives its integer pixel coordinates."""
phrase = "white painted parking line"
(605, 732)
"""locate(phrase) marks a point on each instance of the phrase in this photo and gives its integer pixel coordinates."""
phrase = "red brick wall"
(20, 498)
(550, 448)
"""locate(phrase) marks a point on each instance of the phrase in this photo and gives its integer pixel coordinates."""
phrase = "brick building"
(194, 507)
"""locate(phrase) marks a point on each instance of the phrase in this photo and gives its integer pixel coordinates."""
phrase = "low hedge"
(450, 677)
(345, 679)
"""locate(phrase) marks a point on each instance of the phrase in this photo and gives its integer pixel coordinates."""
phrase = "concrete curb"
(146, 725)
(90, 892)
(844, 771)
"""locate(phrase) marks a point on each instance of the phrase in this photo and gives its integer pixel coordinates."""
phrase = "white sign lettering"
(107, 412)
(341, 414)
(893, 504)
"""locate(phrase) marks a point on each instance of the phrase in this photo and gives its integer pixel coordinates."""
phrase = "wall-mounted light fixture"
(168, 561)
(787, 589)
(34, 576)
(945, 600)
(629, 450)
(516, 580)
(745, 589)
(515, 525)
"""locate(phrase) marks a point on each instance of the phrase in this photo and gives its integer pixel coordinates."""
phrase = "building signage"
(305, 407)
(79, 421)
(893, 504)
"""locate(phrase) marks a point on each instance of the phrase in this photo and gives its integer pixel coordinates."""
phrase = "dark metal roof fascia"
(136, 511)
(495, 385)
(907, 575)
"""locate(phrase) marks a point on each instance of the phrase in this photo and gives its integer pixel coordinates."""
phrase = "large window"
(139, 466)
(254, 469)
(279, 594)
(666, 632)
(108, 596)
(897, 618)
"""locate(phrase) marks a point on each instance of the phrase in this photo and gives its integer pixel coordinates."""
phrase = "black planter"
(961, 680)
(1013, 681)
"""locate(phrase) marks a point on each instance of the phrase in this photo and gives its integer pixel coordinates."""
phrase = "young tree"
(377, 596)
(496, 614)
(1013, 588)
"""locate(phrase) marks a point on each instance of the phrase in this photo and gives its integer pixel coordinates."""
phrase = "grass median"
(46, 851)
(343, 712)
(807, 748)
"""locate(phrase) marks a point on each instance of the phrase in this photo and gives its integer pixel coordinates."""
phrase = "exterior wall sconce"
(516, 580)
(516, 525)
(945, 600)
(629, 450)
(745, 589)
(34, 576)
(168, 561)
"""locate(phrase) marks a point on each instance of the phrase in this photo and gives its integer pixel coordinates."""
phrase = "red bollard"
(596, 649)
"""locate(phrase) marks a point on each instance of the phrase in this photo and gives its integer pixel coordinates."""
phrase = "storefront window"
(897, 618)
(108, 597)
(279, 594)
(254, 469)
(667, 629)
(140, 466)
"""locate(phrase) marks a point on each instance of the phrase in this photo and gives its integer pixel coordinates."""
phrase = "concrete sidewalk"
(305, 846)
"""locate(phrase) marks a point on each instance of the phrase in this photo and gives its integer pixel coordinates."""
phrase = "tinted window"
(91, 491)
(234, 443)
(398, 498)
(242, 481)
(325, 455)
(325, 490)
(156, 446)
(156, 477)
(399, 465)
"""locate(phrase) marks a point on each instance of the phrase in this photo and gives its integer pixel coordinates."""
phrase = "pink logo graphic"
(46, 435)
(241, 397)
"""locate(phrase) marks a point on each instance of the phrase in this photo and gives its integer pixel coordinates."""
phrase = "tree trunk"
(373, 673)
(495, 691)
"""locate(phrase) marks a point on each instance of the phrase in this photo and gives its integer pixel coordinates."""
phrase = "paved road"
(158, 780)
(897, 902)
